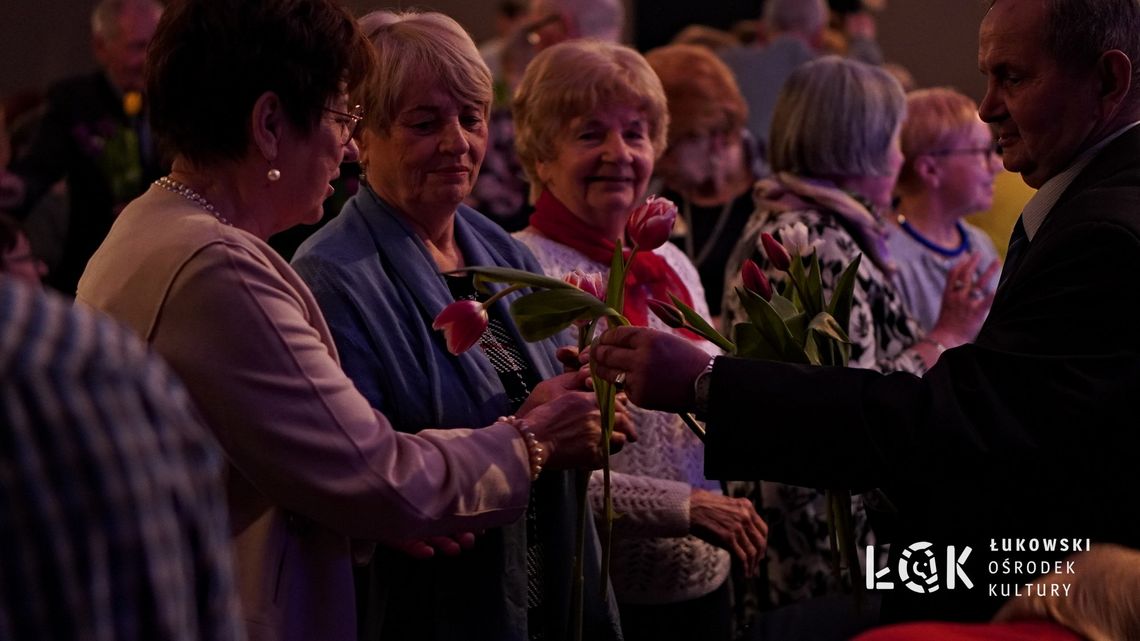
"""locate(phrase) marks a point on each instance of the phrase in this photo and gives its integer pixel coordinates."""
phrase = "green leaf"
(797, 327)
(512, 276)
(615, 287)
(772, 327)
(544, 313)
(813, 288)
(784, 307)
(825, 324)
(750, 343)
(702, 327)
(840, 305)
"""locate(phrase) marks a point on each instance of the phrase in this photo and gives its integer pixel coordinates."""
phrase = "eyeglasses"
(993, 150)
(348, 121)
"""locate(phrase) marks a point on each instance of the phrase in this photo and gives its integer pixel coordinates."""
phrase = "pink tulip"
(668, 314)
(591, 283)
(462, 323)
(651, 224)
(755, 281)
(777, 253)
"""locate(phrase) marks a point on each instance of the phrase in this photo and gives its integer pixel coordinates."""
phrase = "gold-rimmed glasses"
(348, 121)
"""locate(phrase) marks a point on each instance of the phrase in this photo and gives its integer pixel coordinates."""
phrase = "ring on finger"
(619, 380)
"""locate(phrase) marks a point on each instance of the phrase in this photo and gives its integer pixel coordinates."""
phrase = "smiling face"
(602, 165)
(428, 160)
(1043, 112)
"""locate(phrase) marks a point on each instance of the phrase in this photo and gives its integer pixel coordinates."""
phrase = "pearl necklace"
(169, 184)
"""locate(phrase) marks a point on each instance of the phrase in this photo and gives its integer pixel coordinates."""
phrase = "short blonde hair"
(571, 80)
(835, 117)
(935, 119)
(702, 92)
(412, 46)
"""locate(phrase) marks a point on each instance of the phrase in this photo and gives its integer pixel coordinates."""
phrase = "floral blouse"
(882, 333)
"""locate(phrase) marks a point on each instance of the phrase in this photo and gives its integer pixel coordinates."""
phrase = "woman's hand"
(445, 545)
(729, 523)
(965, 302)
(658, 368)
(570, 429)
(552, 388)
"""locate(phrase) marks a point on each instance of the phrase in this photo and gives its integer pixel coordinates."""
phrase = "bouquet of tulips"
(795, 324)
(554, 305)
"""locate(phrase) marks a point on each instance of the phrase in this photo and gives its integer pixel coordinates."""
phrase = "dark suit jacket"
(80, 113)
(1029, 432)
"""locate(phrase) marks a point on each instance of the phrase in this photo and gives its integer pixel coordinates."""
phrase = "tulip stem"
(696, 427)
(501, 293)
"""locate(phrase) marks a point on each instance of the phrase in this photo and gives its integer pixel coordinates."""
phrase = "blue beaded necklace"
(962, 247)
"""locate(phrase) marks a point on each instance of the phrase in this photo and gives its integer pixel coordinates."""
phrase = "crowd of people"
(218, 441)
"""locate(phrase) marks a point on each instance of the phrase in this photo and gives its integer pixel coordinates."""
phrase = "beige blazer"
(311, 465)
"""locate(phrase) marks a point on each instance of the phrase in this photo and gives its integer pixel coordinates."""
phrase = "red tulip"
(668, 314)
(651, 224)
(755, 281)
(592, 283)
(462, 323)
(777, 253)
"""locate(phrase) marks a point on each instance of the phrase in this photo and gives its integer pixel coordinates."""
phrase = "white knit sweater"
(655, 560)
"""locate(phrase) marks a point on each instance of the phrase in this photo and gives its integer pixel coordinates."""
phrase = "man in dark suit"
(93, 133)
(1021, 446)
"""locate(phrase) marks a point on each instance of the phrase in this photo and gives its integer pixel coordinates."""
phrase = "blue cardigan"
(379, 290)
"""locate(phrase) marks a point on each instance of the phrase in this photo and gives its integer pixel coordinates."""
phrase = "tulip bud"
(462, 323)
(651, 224)
(591, 283)
(777, 254)
(668, 314)
(755, 281)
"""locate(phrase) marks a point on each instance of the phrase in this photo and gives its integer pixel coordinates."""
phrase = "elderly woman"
(590, 120)
(835, 150)
(381, 271)
(251, 96)
(708, 165)
(950, 163)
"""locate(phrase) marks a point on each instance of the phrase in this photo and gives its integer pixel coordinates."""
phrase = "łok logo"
(918, 569)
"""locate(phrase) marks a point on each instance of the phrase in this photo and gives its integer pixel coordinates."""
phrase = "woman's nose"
(454, 140)
(616, 148)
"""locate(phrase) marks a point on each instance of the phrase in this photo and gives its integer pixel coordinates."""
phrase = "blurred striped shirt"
(112, 511)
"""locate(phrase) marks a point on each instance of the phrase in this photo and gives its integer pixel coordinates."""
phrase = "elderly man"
(94, 134)
(1018, 446)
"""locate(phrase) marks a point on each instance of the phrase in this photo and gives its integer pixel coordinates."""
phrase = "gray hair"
(417, 45)
(104, 22)
(835, 117)
(601, 19)
(805, 17)
(1079, 31)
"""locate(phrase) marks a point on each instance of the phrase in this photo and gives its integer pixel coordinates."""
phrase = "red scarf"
(649, 276)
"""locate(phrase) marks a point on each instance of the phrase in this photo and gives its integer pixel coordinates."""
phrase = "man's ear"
(1114, 74)
(267, 125)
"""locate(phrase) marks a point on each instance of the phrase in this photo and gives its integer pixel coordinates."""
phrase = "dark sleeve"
(1053, 371)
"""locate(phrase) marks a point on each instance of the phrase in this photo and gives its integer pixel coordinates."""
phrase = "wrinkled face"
(1042, 111)
(966, 168)
(702, 162)
(428, 160)
(602, 165)
(21, 263)
(308, 165)
(122, 52)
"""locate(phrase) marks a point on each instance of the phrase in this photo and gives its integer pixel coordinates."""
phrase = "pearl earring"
(273, 175)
